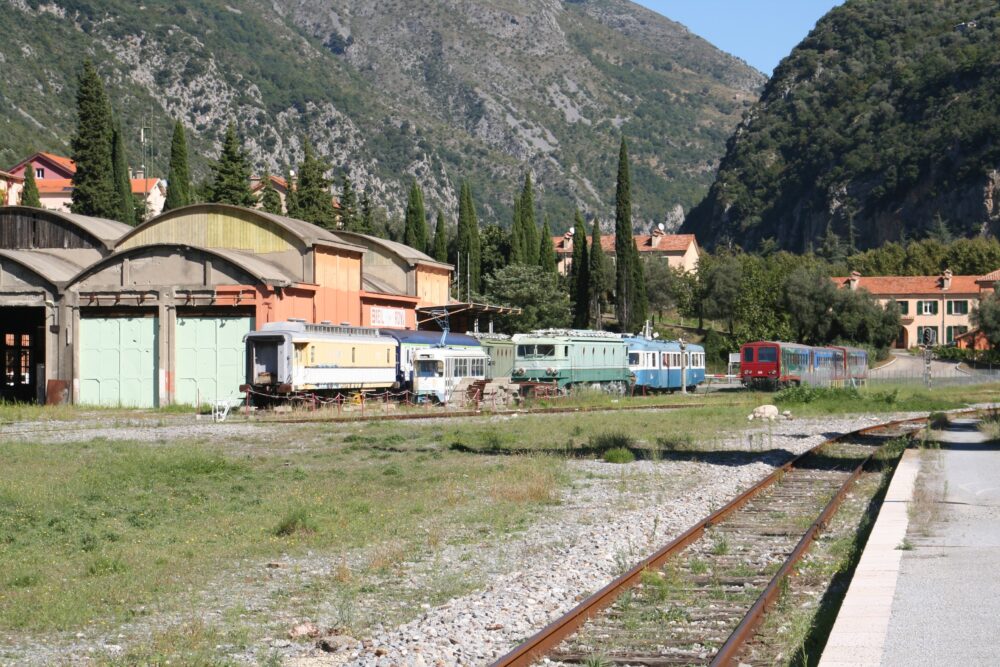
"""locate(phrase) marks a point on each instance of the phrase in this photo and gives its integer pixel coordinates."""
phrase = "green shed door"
(118, 361)
(209, 358)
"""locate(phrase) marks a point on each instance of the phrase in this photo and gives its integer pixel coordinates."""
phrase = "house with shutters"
(54, 178)
(681, 251)
(10, 188)
(935, 308)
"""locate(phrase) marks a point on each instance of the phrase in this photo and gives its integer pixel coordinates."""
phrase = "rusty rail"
(553, 634)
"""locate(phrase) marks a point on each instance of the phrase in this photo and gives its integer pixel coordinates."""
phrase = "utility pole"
(684, 377)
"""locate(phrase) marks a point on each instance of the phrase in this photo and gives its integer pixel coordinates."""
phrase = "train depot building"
(95, 312)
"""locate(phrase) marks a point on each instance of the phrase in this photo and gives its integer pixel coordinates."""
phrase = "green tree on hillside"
(538, 293)
(350, 218)
(526, 240)
(313, 199)
(809, 296)
(231, 174)
(516, 234)
(29, 193)
(600, 278)
(270, 199)
(179, 176)
(495, 249)
(630, 288)
(367, 218)
(440, 239)
(415, 226)
(123, 181)
(93, 181)
(579, 274)
(987, 318)
(546, 250)
(721, 291)
(468, 246)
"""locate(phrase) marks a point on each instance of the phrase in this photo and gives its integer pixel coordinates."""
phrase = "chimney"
(946, 280)
(568, 240)
(854, 280)
(658, 233)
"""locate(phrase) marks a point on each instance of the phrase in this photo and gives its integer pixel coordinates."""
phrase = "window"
(748, 354)
(953, 332)
(633, 358)
(566, 351)
(461, 368)
(312, 355)
(927, 307)
(958, 307)
(39, 172)
(666, 359)
(429, 368)
(353, 354)
(536, 351)
(767, 354)
(904, 307)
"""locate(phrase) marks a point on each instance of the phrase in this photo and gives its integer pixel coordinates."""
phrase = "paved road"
(907, 364)
(947, 598)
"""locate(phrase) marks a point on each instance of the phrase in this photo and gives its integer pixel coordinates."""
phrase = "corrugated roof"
(373, 284)
(51, 265)
(260, 269)
(899, 285)
(411, 255)
(306, 232)
(107, 231)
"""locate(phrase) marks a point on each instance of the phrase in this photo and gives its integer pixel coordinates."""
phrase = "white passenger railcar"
(442, 373)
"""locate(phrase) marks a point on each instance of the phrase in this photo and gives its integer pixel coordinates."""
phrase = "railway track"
(698, 600)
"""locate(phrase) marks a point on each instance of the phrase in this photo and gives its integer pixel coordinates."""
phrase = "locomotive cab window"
(748, 354)
(767, 354)
(429, 368)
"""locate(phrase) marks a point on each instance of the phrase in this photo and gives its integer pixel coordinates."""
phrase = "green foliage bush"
(295, 522)
(619, 455)
(602, 442)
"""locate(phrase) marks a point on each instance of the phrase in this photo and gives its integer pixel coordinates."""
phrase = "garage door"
(209, 362)
(118, 361)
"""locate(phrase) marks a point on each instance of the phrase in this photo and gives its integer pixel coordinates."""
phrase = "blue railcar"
(656, 364)
(413, 342)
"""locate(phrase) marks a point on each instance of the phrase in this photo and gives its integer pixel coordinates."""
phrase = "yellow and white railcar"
(293, 356)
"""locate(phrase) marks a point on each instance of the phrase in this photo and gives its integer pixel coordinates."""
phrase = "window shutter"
(934, 307)
(920, 307)
(949, 308)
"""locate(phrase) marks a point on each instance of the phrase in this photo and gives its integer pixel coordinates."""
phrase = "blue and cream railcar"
(827, 367)
(440, 372)
(657, 365)
(412, 342)
(571, 358)
(291, 357)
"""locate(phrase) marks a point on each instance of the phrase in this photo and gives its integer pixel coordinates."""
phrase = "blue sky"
(761, 32)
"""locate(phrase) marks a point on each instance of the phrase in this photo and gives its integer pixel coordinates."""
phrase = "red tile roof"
(991, 277)
(61, 160)
(277, 181)
(644, 242)
(7, 176)
(900, 285)
(140, 186)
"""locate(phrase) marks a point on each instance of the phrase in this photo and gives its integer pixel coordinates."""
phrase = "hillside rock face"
(390, 91)
(882, 124)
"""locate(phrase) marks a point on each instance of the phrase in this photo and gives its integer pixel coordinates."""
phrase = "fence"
(948, 377)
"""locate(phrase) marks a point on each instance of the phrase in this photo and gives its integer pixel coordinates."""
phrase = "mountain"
(885, 119)
(389, 91)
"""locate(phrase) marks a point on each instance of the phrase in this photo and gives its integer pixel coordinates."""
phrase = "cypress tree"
(468, 245)
(580, 275)
(546, 251)
(440, 240)
(367, 214)
(291, 195)
(231, 174)
(179, 177)
(123, 182)
(29, 193)
(529, 229)
(349, 218)
(516, 235)
(415, 228)
(270, 200)
(93, 181)
(313, 200)
(598, 283)
(629, 283)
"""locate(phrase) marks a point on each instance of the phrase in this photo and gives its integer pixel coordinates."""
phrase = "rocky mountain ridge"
(389, 91)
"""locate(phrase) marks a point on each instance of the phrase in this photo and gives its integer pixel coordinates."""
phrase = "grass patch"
(619, 455)
(295, 522)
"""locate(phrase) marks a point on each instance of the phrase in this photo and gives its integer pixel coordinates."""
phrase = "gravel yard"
(461, 600)
(612, 517)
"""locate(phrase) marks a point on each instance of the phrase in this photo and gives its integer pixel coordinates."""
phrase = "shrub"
(296, 522)
(619, 455)
(602, 442)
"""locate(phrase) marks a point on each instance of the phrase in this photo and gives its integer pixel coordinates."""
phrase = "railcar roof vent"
(296, 319)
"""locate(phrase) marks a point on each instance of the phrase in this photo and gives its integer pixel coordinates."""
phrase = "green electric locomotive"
(570, 358)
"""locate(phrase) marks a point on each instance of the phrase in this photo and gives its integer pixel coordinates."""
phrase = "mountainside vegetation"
(437, 91)
(882, 125)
